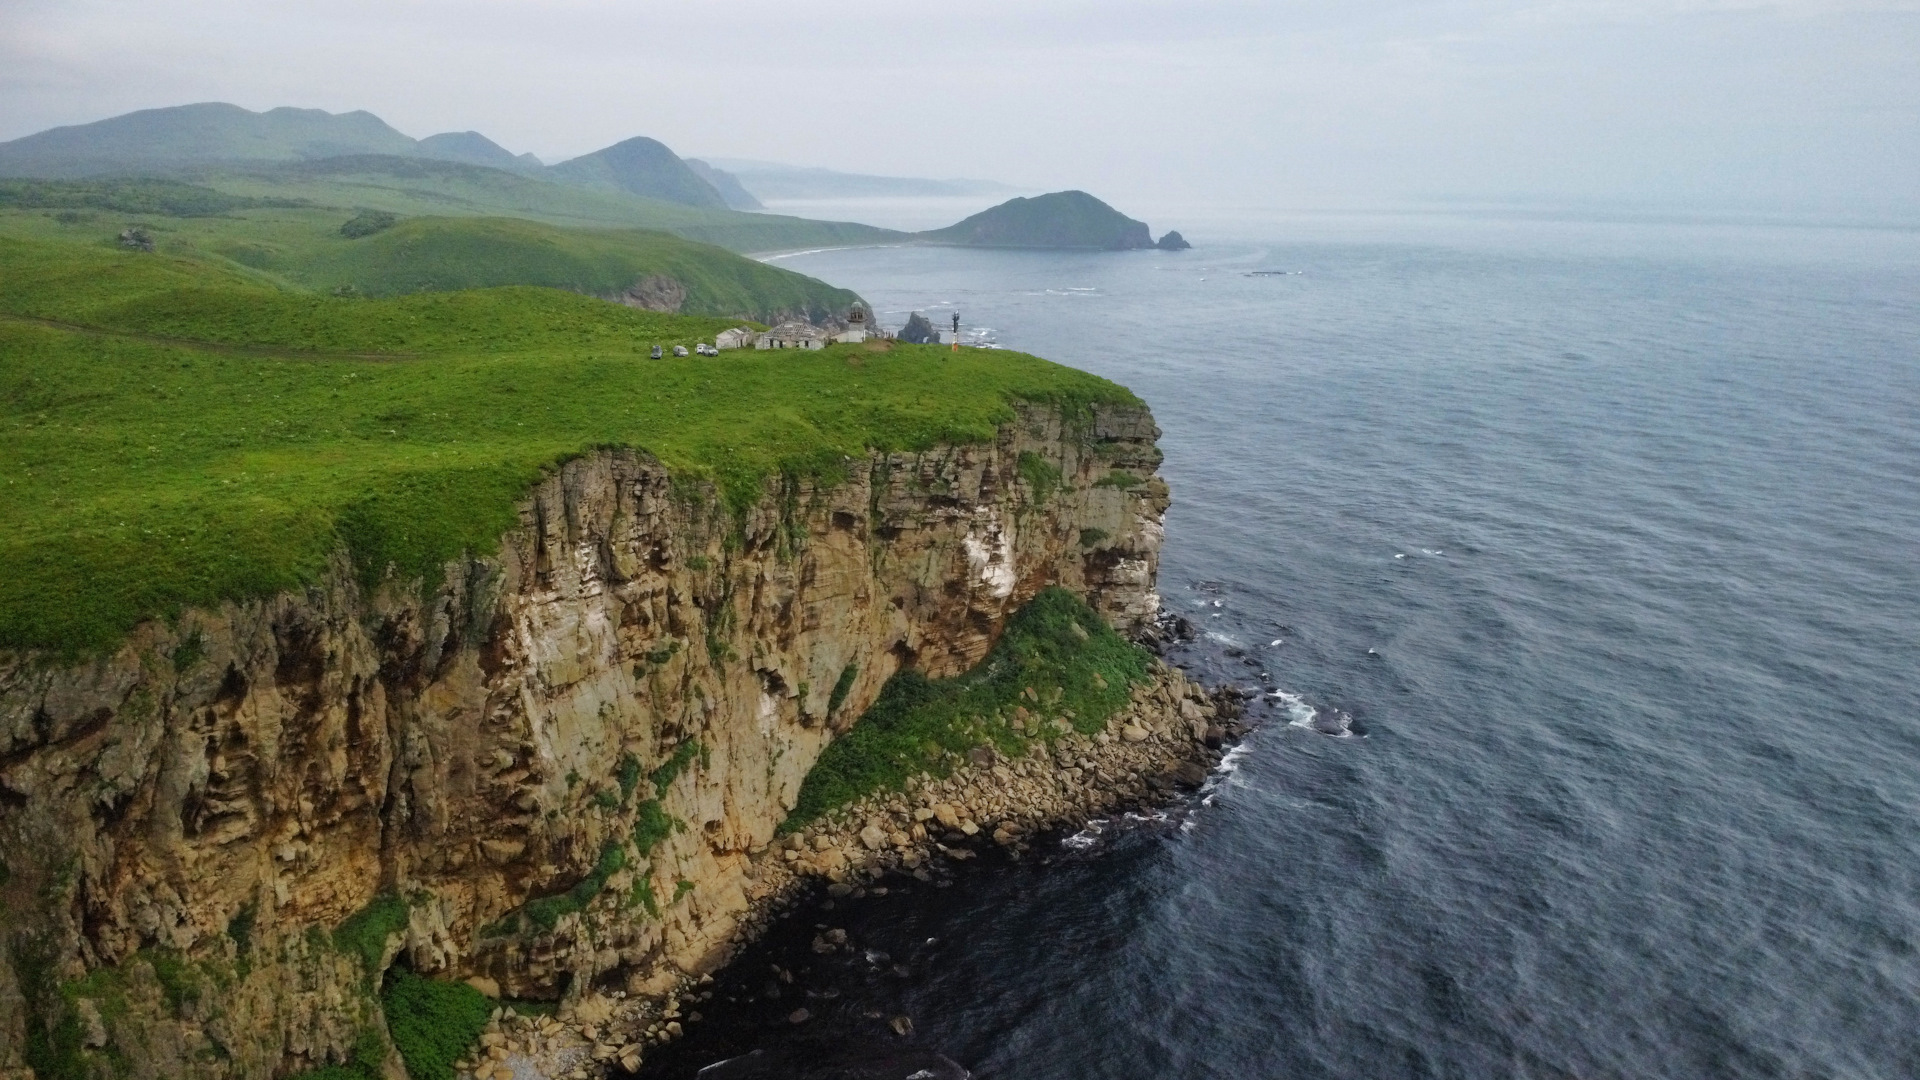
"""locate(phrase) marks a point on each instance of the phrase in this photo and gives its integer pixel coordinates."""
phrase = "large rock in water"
(1064, 219)
(1173, 241)
(919, 331)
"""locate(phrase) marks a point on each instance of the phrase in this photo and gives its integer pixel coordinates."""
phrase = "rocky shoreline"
(1166, 740)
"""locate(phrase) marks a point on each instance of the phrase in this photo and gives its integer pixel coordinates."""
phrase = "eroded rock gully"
(181, 820)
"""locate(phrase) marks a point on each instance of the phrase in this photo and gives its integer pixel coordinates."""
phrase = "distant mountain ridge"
(473, 148)
(210, 134)
(769, 180)
(727, 184)
(192, 134)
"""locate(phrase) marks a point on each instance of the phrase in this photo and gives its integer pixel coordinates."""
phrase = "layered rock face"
(605, 719)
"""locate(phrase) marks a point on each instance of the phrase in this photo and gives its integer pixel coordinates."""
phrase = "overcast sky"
(1798, 104)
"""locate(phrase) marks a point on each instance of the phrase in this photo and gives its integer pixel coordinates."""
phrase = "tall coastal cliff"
(546, 772)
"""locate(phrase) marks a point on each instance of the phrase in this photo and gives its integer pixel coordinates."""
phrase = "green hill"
(161, 140)
(444, 254)
(413, 186)
(1063, 219)
(473, 148)
(298, 245)
(176, 433)
(644, 167)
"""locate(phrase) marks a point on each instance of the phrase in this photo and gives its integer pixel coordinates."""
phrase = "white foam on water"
(1086, 837)
(1299, 713)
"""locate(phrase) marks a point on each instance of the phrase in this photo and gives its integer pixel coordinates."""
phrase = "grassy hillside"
(1063, 219)
(303, 246)
(152, 140)
(467, 253)
(133, 196)
(173, 433)
(415, 187)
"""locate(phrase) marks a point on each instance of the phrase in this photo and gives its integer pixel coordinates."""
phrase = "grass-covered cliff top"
(173, 434)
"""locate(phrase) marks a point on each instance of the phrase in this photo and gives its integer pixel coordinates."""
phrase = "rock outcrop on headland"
(449, 768)
(918, 331)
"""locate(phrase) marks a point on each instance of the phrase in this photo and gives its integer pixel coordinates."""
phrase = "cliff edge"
(547, 771)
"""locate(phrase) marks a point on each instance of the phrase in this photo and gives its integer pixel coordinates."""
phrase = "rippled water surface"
(1605, 539)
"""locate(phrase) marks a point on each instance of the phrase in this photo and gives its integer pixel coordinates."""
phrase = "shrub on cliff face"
(1057, 659)
(546, 912)
(432, 1023)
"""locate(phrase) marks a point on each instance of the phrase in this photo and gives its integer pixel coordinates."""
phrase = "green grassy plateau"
(175, 433)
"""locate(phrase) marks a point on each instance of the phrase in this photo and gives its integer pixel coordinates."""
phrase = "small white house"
(793, 335)
(736, 338)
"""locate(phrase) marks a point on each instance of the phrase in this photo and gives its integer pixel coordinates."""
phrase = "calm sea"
(1599, 542)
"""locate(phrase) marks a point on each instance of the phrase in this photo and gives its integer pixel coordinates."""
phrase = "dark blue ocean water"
(1607, 538)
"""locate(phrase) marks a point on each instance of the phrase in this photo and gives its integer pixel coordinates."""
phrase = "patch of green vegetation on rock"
(189, 653)
(432, 1023)
(180, 982)
(545, 913)
(1041, 475)
(670, 769)
(651, 825)
(841, 688)
(628, 776)
(54, 1040)
(642, 894)
(174, 435)
(1118, 478)
(364, 934)
(1057, 659)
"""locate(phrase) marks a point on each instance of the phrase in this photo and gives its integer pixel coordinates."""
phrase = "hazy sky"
(1808, 104)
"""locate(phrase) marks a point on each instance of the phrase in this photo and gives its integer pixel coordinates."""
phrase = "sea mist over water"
(1602, 536)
